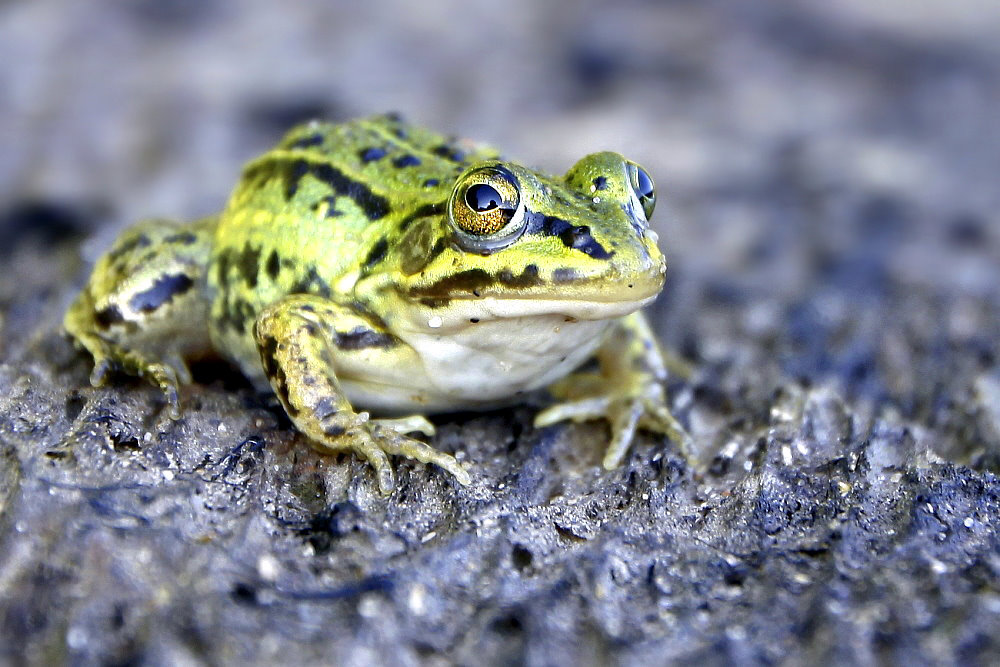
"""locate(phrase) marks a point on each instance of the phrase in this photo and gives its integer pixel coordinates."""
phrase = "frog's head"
(520, 243)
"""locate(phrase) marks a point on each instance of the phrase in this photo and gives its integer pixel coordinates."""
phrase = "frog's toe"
(644, 409)
(648, 412)
(373, 452)
(624, 417)
(165, 378)
(411, 424)
(378, 439)
(658, 419)
(578, 411)
(181, 371)
(397, 444)
(102, 369)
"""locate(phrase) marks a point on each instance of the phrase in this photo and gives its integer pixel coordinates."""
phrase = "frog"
(373, 273)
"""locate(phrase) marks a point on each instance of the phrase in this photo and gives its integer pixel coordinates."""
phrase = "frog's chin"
(461, 313)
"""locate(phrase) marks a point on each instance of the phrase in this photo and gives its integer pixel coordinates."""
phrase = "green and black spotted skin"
(329, 207)
(359, 213)
(375, 265)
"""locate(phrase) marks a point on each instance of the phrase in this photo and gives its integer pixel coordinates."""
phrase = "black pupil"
(645, 184)
(482, 197)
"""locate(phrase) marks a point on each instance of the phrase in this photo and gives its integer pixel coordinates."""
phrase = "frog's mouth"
(463, 311)
(605, 291)
(473, 297)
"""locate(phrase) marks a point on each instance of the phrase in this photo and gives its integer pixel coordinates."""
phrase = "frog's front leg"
(300, 339)
(627, 391)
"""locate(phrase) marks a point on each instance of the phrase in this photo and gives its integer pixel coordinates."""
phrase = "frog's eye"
(642, 188)
(486, 209)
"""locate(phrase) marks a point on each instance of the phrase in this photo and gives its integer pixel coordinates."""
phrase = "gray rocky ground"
(835, 283)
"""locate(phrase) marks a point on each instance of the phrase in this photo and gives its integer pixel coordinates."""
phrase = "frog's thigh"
(143, 309)
(298, 339)
(627, 391)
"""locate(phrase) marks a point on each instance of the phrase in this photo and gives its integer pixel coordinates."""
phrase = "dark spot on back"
(432, 183)
(600, 183)
(298, 169)
(307, 141)
(311, 283)
(184, 238)
(448, 152)
(249, 264)
(273, 266)
(372, 205)
(222, 266)
(371, 154)
(134, 243)
(406, 161)
(377, 253)
(163, 290)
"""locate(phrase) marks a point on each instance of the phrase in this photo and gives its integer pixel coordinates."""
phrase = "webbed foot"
(375, 440)
(167, 376)
(642, 406)
(627, 392)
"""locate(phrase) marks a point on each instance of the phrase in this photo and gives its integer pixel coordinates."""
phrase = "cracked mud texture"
(829, 175)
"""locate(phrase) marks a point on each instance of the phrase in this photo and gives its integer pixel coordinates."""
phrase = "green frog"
(378, 267)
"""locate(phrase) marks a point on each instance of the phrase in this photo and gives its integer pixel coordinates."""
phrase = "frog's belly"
(482, 365)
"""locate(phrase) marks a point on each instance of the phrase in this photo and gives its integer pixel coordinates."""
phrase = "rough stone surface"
(830, 173)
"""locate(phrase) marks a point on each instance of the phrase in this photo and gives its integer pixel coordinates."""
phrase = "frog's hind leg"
(299, 339)
(627, 391)
(144, 308)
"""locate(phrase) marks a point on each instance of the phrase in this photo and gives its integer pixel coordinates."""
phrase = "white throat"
(493, 360)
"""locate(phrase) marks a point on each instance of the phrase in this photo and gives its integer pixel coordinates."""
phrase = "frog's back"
(315, 213)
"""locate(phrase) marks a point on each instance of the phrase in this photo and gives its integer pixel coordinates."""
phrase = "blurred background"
(828, 203)
(827, 170)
